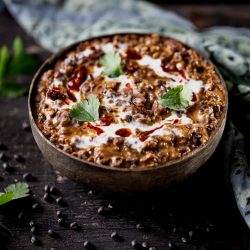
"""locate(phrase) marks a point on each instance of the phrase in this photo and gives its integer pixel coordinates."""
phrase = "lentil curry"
(133, 129)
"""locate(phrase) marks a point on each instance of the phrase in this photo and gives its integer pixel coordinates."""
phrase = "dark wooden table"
(203, 204)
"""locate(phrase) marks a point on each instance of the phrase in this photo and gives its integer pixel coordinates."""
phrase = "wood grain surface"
(203, 204)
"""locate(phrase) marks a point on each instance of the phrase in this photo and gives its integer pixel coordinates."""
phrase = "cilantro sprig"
(87, 110)
(13, 192)
(176, 98)
(14, 63)
(111, 62)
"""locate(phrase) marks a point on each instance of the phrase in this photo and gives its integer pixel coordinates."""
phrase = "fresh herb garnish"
(111, 62)
(87, 110)
(12, 64)
(13, 192)
(176, 98)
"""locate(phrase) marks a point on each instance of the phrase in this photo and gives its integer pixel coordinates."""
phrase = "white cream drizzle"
(109, 47)
(109, 131)
(155, 65)
(133, 140)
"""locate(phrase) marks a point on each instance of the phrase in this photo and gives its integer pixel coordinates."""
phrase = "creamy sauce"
(111, 101)
(133, 140)
(155, 65)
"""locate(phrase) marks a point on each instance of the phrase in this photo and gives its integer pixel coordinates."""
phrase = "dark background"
(203, 204)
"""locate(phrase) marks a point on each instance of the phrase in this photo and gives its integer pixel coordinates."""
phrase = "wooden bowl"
(116, 179)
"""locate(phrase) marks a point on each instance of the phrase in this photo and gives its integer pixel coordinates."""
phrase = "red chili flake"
(176, 121)
(132, 54)
(98, 130)
(106, 120)
(175, 69)
(79, 76)
(166, 69)
(182, 72)
(123, 132)
(143, 136)
(71, 96)
(55, 94)
(194, 97)
(128, 85)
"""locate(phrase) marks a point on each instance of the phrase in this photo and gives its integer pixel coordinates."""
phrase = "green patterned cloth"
(55, 24)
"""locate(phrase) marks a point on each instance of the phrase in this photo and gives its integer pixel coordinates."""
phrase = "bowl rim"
(56, 56)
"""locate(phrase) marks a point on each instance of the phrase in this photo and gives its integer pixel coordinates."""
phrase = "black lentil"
(34, 240)
(110, 207)
(4, 157)
(52, 234)
(54, 190)
(115, 236)
(74, 226)
(7, 167)
(140, 227)
(170, 245)
(60, 214)
(145, 245)
(26, 126)
(184, 240)
(191, 234)
(138, 80)
(135, 244)
(35, 206)
(88, 245)
(47, 197)
(60, 201)
(102, 210)
(33, 230)
(31, 223)
(47, 188)
(61, 221)
(28, 177)
(20, 216)
(19, 158)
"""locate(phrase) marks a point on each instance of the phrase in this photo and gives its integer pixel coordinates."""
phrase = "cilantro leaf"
(4, 60)
(22, 63)
(176, 98)
(13, 192)
(5, 197)
(87, 110)
(13, 64)
(111, 62)
(17, 47)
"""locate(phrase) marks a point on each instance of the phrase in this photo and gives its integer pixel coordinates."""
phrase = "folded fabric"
(55, 24)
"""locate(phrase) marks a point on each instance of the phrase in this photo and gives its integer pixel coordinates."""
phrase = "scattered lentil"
(47, 197)
(7, 167)
(28, 177)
